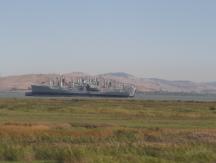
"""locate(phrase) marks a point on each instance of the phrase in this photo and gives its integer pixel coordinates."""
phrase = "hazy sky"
(171, 39)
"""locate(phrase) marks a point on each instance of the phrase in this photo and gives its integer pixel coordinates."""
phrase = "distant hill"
(23, 82)
(118, 74)
(161, 85)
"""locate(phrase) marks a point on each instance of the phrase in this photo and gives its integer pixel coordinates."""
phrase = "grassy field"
(106, 130)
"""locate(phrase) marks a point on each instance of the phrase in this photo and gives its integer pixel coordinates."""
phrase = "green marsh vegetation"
(106, 130)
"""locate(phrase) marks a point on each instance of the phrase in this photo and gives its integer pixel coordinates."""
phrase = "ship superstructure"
(84, 86)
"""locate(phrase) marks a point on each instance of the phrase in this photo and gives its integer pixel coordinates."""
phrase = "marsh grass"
(88, 131)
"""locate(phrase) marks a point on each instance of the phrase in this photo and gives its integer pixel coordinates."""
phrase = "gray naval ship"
(83, 87)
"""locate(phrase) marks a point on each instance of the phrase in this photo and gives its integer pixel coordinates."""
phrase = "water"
(140, 96)
(177, 96)
(12, 94)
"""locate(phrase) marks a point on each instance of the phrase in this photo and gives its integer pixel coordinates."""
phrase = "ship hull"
(42, 90)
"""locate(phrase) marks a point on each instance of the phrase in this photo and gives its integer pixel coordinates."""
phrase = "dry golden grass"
(107, 131)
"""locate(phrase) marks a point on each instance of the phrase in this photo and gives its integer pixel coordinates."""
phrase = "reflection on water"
(144, 96)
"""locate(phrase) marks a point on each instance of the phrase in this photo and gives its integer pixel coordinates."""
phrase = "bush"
(65, 154)
(12, 153)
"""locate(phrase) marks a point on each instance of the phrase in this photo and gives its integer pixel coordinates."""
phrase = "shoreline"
(155, 96)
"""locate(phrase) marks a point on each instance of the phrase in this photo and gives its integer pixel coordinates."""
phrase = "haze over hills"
(23, 82)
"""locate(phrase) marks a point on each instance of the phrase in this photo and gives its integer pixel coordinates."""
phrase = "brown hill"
(23, 82)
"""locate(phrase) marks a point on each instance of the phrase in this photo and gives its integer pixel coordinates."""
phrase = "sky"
(169, 39)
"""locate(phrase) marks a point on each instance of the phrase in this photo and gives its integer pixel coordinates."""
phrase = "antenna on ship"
(62, 80)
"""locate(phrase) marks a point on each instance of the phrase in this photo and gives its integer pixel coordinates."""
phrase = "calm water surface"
(144, 96)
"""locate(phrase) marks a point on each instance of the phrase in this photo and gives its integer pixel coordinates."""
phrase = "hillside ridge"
(23, 82)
